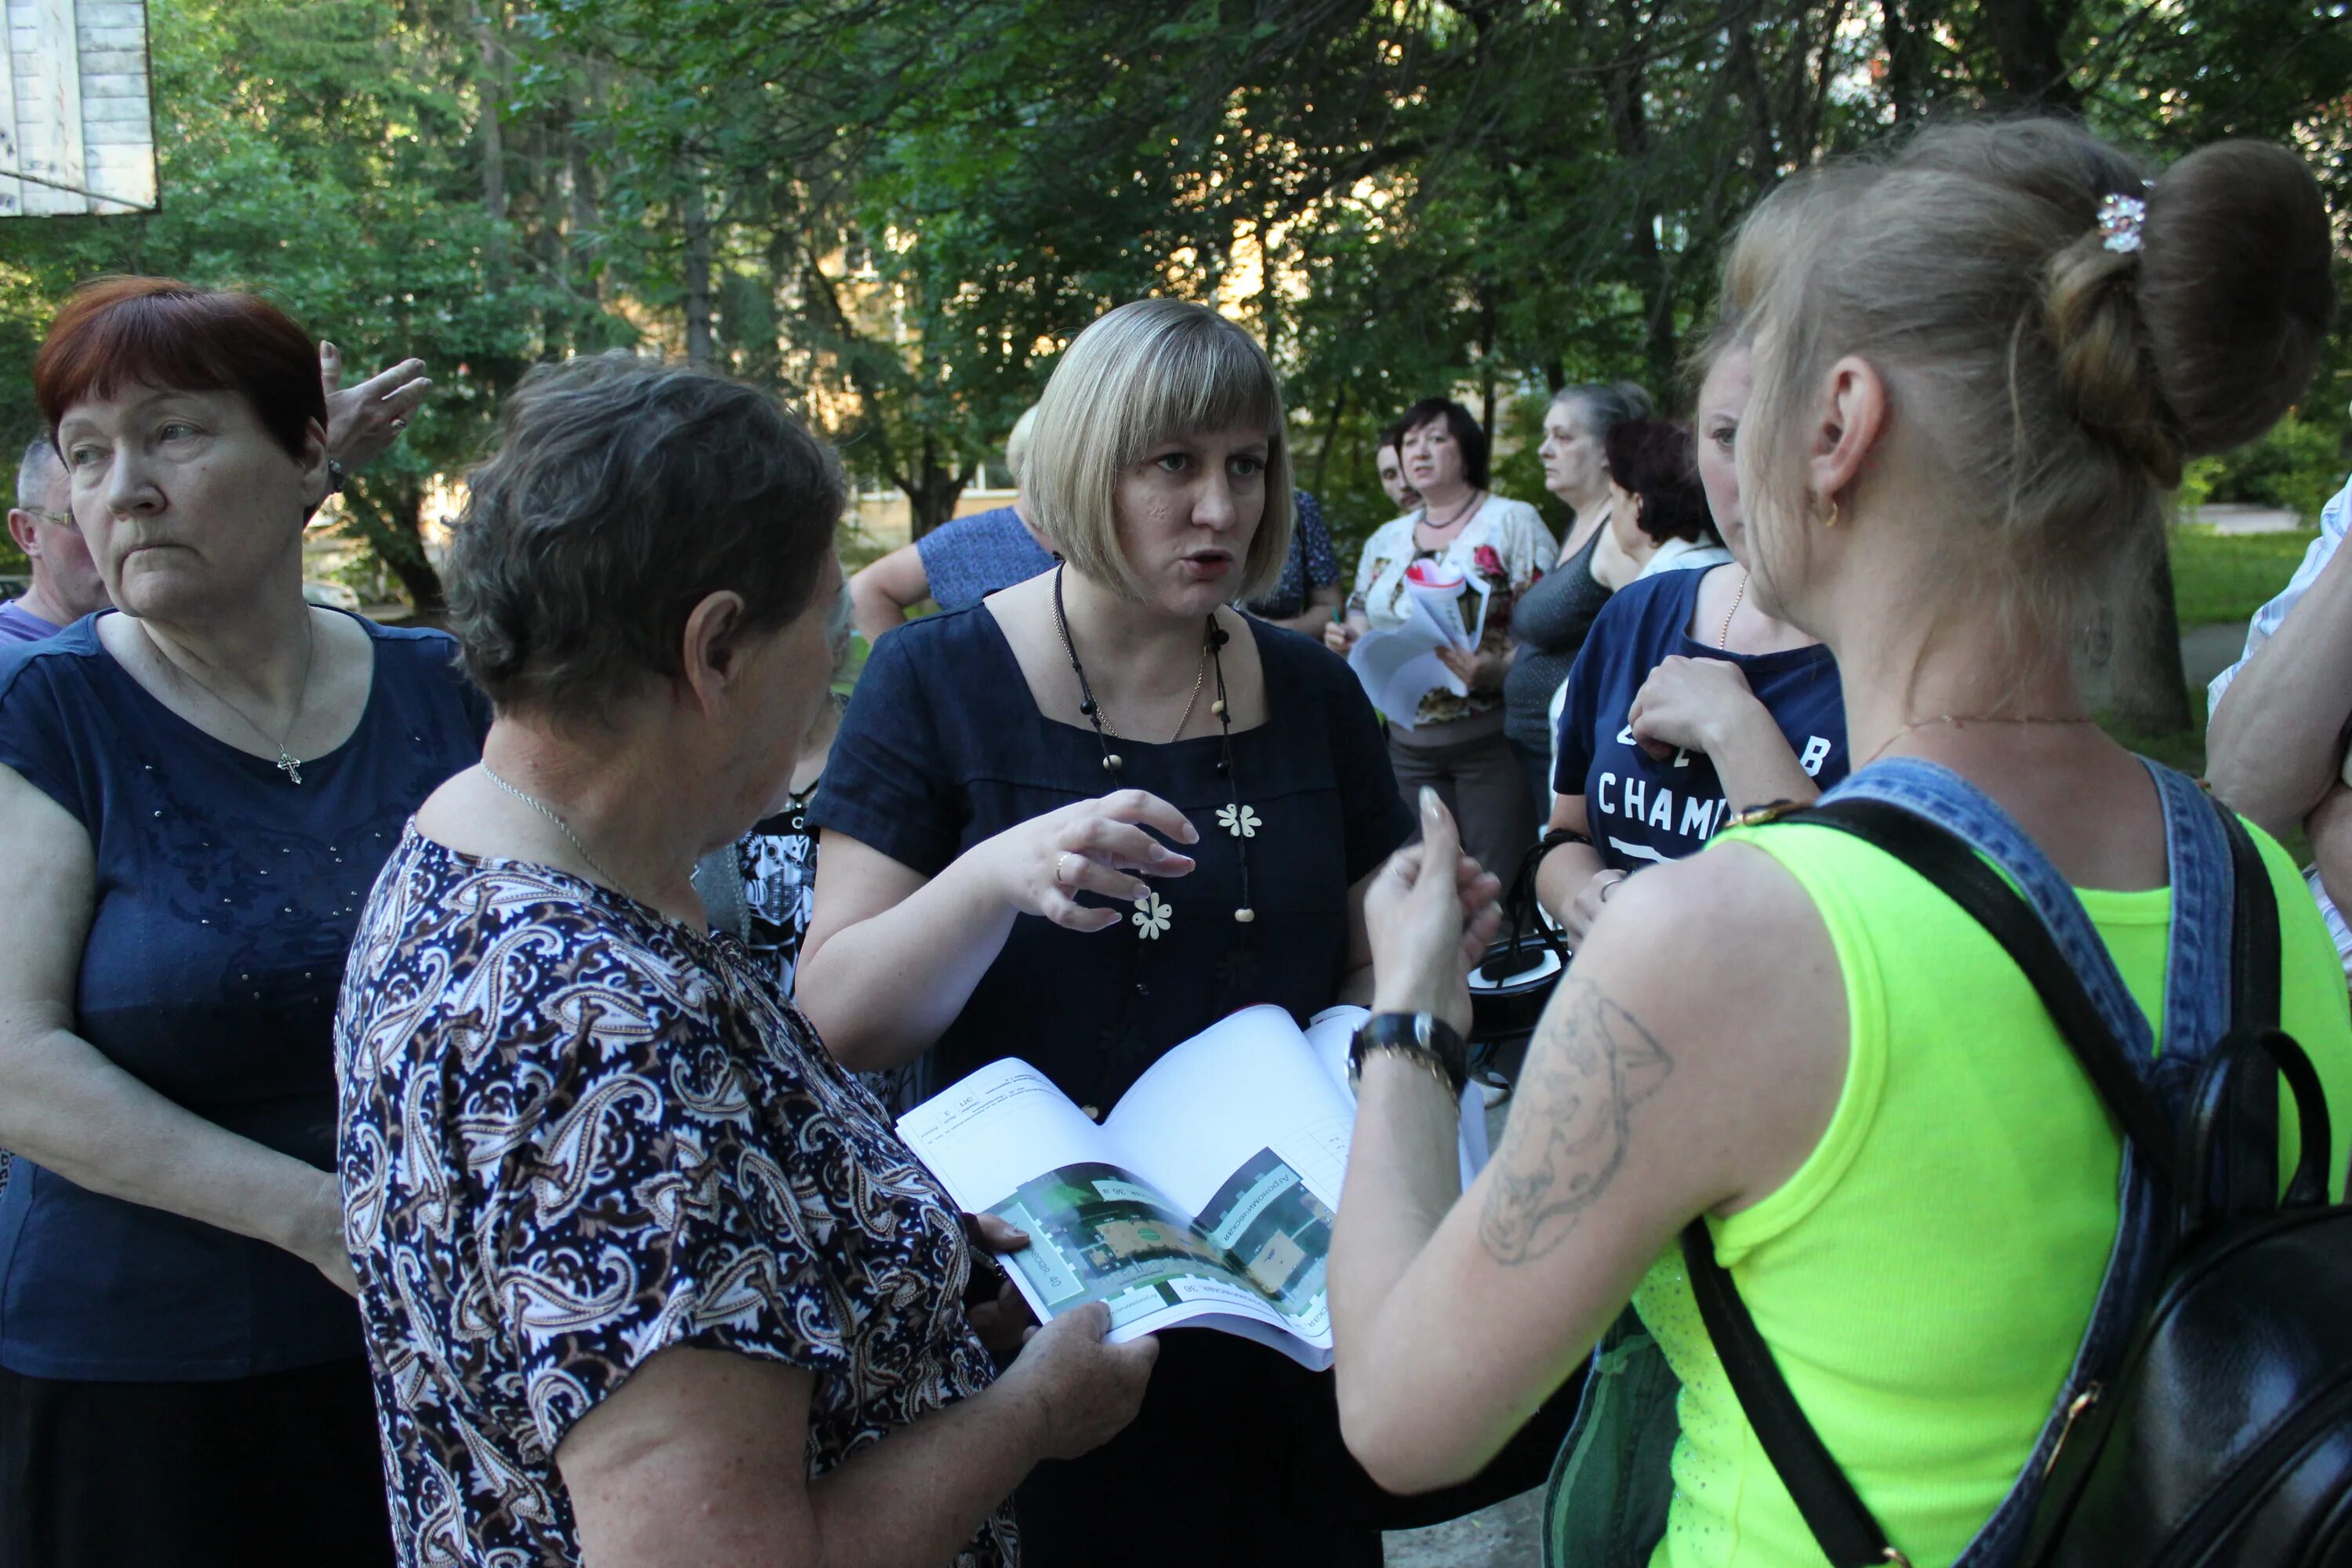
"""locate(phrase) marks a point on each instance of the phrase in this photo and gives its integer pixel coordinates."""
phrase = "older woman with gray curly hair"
(646, 1278)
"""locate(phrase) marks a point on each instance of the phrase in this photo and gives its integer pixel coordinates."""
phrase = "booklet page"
(986, 1135)
(1249, 1257)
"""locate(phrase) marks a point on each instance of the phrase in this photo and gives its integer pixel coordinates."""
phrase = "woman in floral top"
(1452, 740)
(646, 1278)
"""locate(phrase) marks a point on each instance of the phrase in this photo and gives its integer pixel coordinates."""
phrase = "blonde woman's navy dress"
(943, 748)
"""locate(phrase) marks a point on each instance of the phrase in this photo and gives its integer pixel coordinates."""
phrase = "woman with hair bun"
(1995, 347)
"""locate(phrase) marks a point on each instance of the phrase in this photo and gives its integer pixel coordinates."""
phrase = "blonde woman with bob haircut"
(1087, 818)
(1978, 366)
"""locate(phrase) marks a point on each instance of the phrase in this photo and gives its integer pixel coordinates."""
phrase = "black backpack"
(2224, 1434)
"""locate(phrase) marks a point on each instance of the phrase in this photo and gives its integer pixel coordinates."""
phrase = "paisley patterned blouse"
(572, 1134)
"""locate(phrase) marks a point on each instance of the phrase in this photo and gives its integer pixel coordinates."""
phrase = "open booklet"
(1205, 1197)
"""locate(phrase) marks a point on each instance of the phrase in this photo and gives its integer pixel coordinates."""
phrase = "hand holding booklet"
(1444, 608)
(1205, 1199)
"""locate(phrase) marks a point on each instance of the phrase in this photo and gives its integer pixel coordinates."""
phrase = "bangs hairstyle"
(1152, 370)
(1655, 462)
(117, 333)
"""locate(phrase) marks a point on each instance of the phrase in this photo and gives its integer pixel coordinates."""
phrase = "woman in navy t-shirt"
(1689, 701)
(195, 796)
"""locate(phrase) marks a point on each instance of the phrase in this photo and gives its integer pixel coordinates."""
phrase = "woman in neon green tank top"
(1973, 384)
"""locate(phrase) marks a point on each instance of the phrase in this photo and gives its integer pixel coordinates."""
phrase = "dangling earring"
(1832, 521)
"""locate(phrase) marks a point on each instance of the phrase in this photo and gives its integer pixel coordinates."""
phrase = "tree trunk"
(932, 495)
(388, 515)
(2149, 687)
(1622, 86)
(1331, 435)
(1902, 60)
(1487, 361)
(493, 95)
(1763, 151)
(697, 270)
(2026, 39)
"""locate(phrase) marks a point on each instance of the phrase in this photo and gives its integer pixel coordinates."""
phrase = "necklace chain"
(286, 761)
(1102, 720)
(1464, 509)
(1961, 721)
(562, 827)
(1723, 638)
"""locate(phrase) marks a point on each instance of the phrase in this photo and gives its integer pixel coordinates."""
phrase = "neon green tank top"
(1926, 1276)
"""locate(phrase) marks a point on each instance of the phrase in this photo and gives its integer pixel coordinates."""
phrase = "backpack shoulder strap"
(1965, 878)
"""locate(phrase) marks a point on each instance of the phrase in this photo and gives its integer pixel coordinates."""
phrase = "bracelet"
(1430, 1041)
(1556, 836)
(1426, 1064)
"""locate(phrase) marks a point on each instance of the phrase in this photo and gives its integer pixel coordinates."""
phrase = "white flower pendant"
(1152, 916)
(1239, 820)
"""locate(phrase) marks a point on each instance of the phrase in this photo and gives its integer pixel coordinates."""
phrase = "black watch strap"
(1423, 1036)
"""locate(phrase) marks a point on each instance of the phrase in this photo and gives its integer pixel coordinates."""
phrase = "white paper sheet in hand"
(1397, 667)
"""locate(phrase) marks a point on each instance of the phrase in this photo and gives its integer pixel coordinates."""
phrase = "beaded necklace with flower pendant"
(1153, 915)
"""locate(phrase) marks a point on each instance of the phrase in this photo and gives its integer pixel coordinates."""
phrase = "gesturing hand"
(363, 421)
(1690, 703)
(1042, 865)
(1430, 914)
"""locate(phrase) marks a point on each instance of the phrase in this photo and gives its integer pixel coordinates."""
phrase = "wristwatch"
(1424, 1038)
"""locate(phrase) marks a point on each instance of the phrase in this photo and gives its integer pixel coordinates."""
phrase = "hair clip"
(2120, 218)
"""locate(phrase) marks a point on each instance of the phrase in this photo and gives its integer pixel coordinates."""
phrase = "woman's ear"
(318, 480)
(711, 651)
(1852, 420)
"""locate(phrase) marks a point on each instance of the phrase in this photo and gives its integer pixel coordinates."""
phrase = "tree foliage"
(900, 213)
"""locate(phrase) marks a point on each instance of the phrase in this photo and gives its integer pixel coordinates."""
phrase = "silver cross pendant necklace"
(286, 761)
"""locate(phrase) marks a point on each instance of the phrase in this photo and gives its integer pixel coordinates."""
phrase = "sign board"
(76, 123)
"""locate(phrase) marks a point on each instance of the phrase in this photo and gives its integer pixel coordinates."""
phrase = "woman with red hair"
(196, 794)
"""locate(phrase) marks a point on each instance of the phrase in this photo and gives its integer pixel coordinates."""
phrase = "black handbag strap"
(1843, 1526)
(1523, 917)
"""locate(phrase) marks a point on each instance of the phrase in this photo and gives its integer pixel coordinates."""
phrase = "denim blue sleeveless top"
(226, 897)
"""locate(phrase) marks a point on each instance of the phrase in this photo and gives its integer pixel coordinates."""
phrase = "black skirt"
(282, 1468)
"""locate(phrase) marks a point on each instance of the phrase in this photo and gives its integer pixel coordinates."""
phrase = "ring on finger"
(1060, 865)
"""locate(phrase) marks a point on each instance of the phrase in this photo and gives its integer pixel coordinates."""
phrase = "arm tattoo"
(1591, 1063)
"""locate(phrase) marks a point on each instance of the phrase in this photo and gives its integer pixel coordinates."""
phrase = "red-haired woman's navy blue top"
(226, 897)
